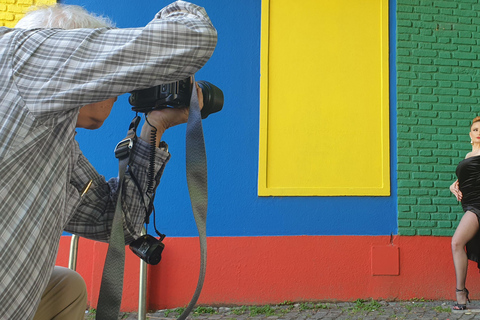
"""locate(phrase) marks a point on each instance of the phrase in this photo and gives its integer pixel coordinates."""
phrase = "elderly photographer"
(52, 82)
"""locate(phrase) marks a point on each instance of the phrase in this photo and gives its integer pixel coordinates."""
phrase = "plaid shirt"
(46, 76)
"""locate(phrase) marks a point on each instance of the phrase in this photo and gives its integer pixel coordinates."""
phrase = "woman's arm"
(456, 191)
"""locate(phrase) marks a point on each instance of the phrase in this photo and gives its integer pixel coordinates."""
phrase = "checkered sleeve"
(58, 69)
(93, 217)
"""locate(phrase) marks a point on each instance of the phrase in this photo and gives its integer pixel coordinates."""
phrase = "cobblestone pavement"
(368, 310)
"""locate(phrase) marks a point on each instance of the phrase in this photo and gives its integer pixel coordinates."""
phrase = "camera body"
(148, 248)
(176, 95)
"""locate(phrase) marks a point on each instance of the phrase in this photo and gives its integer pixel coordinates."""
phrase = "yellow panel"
(324, 98)
(13, 10)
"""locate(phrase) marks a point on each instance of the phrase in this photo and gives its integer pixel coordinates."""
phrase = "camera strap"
(110, 296)
(196, 169)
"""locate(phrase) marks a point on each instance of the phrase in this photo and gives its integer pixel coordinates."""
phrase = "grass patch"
(418, 300)
(305, 306)
(441, 309)
(265, 310)
(414, 303)
(179, 311)
(279, 309)
(239, 311)
(252, 311)
(91, 314)
(310, 306)
(366, 306)
(204, 310)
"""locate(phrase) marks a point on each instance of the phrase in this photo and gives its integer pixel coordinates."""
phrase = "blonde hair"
(62, 16)
(476, 119)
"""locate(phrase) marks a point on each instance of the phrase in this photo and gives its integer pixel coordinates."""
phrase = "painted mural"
(402, 140)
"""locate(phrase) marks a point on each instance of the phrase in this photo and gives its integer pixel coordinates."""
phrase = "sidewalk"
(367, 310)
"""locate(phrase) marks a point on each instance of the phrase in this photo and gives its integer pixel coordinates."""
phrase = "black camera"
(176, 95)
(148, 248)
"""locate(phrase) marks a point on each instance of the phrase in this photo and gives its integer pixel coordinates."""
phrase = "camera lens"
(212, 98)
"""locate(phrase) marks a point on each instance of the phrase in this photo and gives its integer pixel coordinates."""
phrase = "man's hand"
(163, 119)
(456, 191)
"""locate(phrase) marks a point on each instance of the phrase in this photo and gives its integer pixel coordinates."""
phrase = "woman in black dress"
(467, 190)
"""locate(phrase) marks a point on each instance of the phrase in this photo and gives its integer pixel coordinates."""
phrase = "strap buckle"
(123, 148)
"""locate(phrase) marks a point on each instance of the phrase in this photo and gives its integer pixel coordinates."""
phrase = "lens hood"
(212, 98)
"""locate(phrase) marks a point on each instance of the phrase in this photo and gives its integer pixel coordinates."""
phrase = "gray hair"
(64, 17)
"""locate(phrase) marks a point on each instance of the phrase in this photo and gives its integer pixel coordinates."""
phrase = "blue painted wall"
(232, 142)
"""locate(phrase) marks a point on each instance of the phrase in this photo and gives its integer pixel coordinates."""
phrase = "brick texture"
(13, 10)
(438, 95)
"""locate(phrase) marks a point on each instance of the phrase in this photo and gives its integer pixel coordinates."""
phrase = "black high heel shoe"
(458, 306)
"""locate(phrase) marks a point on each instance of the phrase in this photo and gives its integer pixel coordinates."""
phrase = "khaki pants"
(64, 298)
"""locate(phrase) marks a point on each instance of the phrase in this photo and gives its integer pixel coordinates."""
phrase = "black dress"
(468, 174)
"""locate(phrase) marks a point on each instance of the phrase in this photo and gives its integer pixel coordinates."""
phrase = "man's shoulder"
(5, 31)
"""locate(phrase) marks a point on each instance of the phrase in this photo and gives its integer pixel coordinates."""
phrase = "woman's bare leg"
(466, 230)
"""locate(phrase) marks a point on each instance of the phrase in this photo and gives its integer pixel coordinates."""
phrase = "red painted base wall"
(265, 270)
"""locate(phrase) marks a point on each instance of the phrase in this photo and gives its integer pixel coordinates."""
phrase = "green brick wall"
(438, 61)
